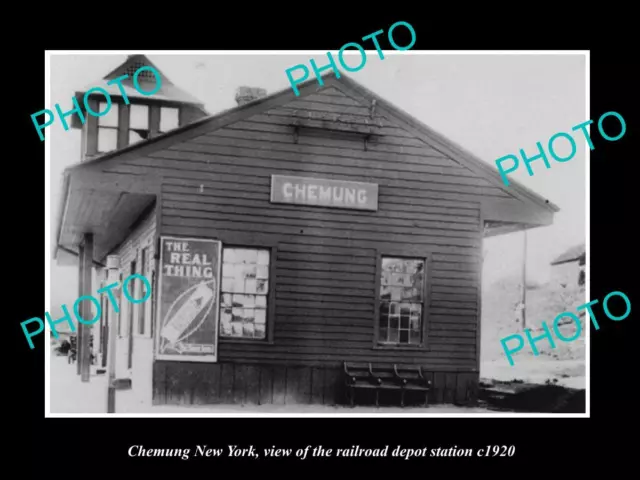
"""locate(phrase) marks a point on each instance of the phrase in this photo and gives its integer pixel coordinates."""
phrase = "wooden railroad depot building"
(282, 238)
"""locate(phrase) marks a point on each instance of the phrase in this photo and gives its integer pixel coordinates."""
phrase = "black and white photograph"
(246, 238)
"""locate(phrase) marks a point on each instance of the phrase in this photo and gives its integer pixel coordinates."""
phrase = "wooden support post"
(113, 263)
(79, 326)
(85, 310)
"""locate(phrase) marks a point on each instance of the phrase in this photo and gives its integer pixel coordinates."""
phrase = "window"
(138, 123)
(244, 293)
(108, 128)
(402, 301)
(169, 119)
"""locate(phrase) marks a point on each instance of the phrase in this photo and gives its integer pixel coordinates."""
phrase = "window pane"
(383, 335)
(111, 118)
(260, 331)
(415, 322)
(263, 257)
(247, 330)
(262, 271)
(169, 119)
(134, 137)
(236, 329)
(249, 271)
(393, 335)
(247, 256)
(227, 284)
(228, 256)
(262, 287)
(139, 116)
(107, 139)
(250, 285)
(396, 294)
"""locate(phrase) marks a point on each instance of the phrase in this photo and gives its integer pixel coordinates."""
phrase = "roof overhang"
(106, 205)
(506, 216)
(520, 209)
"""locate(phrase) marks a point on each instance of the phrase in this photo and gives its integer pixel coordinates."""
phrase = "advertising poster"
(188, 300)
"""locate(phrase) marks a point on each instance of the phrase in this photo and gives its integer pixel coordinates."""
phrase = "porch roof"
(104, 204)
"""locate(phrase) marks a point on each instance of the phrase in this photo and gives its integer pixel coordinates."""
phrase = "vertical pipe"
(85, 313)
(79, 326)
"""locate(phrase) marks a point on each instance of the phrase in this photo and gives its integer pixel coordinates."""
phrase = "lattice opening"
(144, 75)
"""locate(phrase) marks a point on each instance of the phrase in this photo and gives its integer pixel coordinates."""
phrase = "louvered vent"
(144, 75)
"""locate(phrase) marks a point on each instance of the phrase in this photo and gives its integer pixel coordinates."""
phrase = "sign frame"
(159, 318)
(329, 181)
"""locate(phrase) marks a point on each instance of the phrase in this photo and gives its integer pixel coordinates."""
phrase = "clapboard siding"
(217, 185)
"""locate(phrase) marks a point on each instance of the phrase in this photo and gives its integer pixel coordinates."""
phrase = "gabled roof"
(571, 255)
(359, 93)
(348, 87)
(146, 80)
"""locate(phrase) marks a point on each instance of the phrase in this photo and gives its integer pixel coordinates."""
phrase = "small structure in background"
(246, 95)
(568, 269)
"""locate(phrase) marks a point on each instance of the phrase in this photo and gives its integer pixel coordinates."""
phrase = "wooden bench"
(412, 379)
(387, 377)
(360, 376)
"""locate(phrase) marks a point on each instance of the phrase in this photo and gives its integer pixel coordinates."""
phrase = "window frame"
(407, 255)
(129, 129)
(101, 127)
(271, 297)
(160, 108)
(118, 106)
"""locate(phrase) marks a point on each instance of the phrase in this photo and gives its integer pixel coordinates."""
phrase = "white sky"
(490, 104)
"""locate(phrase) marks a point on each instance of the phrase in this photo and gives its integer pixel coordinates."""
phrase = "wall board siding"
(260, 384)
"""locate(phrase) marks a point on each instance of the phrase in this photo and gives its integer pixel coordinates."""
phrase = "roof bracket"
(296, 133)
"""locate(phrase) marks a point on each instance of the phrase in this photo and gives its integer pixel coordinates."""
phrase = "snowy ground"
(566, 373)
(70, 395)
